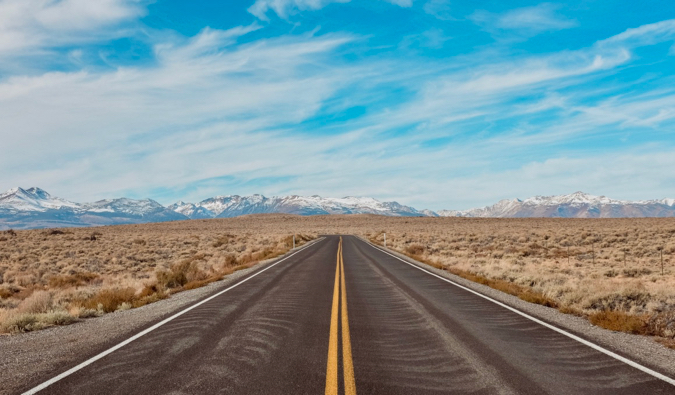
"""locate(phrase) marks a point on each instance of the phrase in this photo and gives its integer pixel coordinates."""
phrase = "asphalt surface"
(288, 330)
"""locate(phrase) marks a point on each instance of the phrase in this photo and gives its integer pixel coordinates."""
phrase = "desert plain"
(619, 273)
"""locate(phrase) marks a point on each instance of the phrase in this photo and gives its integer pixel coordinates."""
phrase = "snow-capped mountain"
(191, 210)
(575, 205)
(235, 205)
(35, 208)
(32, 199)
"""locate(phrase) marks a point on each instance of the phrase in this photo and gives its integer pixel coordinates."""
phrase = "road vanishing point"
(342, 316)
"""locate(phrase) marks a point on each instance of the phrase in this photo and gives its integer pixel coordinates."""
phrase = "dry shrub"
(149, 289)
(180, 273)
(538, 298)
(149, 294)
(73, 280)
(222, 240)
(662, 324)
(624, 300)
(571, 310)
(5, 292)
(619, 321)
(110, 299)
(26, 322)
(636, 272)
(38, 302)
(415, 249)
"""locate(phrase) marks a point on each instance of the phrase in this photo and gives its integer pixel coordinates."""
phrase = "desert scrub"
(619, 273)
(57, 276)
(26, 322)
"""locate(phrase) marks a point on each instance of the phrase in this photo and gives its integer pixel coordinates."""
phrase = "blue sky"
(432, 103)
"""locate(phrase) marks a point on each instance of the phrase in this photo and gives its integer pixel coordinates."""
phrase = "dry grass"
(606, 269)
(57, 276)
(609, 270)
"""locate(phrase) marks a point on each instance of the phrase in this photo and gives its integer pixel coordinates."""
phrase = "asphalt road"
(345, 317)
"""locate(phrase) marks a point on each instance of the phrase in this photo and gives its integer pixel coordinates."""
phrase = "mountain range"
(234, 205)
(35, 208)
(575, 205)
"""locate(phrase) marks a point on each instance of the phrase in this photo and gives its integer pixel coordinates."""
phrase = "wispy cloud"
(34, 25)
(286, 8)
(438, 8)
(204, 94)
(527, 20)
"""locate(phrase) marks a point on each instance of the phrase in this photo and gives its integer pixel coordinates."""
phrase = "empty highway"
(344, 317)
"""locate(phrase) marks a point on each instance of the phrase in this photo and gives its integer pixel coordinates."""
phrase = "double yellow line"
(347, 364)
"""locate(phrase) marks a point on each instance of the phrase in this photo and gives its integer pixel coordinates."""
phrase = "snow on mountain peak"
(32, 199)
(668, 202)
(233, 205)
(576, 198)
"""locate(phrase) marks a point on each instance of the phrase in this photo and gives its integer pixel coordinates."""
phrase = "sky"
(432, 103)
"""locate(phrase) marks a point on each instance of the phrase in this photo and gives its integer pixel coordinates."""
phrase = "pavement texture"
(341, 316)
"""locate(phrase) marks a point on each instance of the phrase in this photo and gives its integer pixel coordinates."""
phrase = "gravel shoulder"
(641, 349)
(31, 358)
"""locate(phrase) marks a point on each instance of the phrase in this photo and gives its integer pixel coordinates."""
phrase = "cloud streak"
(27, 26)
(527, 20)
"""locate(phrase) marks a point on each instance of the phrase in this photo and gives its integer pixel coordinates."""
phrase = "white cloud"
(204, 102)
(286, 8)
(438, 8)
(33, 25)
(527, 20)
(644, 35)
(402, 3)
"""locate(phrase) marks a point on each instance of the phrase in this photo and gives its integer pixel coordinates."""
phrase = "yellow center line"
(347, 364)
(332, 368)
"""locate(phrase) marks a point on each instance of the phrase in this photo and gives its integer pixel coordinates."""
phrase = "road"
(345, 317)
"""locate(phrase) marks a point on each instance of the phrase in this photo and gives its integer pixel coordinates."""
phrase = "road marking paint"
(561, 331)
(152, 328)
(347, 363)
(332, 366)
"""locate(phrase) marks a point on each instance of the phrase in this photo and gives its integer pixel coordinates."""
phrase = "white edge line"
(538, 321)
(152, 328)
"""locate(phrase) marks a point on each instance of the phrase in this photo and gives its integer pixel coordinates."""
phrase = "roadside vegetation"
(59, 276)
(618, 273)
